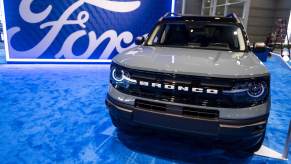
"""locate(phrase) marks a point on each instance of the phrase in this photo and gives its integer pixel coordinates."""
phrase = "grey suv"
(193, 75)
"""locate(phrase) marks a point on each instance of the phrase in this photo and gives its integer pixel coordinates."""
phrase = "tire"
(248, 146)
(127, 127)
(256, 146)
(121, 125)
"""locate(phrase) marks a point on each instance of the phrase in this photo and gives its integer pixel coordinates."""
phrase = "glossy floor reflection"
(56, 113)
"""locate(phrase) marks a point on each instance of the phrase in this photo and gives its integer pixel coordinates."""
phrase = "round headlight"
(256, 89)
(118, 75)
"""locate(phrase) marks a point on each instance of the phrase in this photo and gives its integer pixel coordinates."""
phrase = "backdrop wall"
(76, 30)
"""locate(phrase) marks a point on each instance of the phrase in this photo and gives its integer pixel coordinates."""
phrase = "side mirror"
(260, 47)
(139, 40)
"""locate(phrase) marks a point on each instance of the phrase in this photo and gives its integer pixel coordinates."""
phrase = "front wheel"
(248, 146)
(257, 145)
(122, 125)
(127, 127)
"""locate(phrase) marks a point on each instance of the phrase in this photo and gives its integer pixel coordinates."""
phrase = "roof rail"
(169, 14)
(234, 16)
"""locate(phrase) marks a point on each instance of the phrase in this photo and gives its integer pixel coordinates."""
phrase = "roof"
(232, 18)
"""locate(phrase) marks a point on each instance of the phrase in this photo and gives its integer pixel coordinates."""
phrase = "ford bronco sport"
(195, 75)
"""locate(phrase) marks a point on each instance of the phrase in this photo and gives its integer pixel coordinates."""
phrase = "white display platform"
(270, 153)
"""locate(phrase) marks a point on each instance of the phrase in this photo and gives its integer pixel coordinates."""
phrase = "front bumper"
(216, 128)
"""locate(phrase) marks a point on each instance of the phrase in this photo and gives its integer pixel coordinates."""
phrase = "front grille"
(178, 110)
(201, 113)
(150, 105)
(199, 99)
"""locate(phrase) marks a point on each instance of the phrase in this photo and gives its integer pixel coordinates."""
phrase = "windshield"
(198, 35)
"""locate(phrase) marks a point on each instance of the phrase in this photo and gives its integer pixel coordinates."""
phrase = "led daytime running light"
(122, 78)
(116, 78)
(261, 90)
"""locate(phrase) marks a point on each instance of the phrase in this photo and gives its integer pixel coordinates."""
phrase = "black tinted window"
(199, 35)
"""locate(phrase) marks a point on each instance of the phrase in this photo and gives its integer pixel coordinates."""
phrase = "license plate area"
(178, 123)
(199, 113)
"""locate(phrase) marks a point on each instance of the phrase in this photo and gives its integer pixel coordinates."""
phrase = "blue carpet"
(56, 114)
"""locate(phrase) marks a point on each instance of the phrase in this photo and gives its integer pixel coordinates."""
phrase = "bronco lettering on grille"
(177, 87)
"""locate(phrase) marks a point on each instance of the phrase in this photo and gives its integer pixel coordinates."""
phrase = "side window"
(164, 34)
(154, 37)
(158, 37)
(235, 39)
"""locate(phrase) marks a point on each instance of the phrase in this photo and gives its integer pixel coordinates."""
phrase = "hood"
(199, 62)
